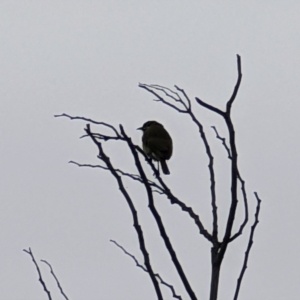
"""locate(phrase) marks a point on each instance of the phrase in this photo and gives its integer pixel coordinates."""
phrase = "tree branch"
(243, 188)
(250, 243)
(151, 89)
(129, 201)
(234, 169)
(158, 218)
(242, 226)
(171, 287)
(125, 174)
(57, 281)
(210, 107)
(237, 86)
(41, 280)
(223, 141)
(90, 121)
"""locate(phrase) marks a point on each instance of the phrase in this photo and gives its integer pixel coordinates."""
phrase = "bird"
(157, 143)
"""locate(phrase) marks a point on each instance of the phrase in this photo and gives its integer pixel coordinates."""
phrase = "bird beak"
(140, 128)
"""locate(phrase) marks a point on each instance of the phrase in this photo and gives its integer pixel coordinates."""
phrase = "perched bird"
(157, 143)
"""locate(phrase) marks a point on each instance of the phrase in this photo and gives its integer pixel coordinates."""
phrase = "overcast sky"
(86, 58)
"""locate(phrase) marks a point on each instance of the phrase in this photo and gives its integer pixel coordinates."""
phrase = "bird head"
(148, 124)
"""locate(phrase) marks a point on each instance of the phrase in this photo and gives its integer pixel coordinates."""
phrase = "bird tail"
(164, 167)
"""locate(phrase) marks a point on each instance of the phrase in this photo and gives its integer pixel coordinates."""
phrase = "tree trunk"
(215, 273)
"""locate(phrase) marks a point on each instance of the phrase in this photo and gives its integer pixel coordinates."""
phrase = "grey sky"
(86, 58)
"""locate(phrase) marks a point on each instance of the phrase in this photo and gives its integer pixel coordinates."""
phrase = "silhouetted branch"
(232, 98)
(102, 155)
(210, 107)
(243, 188)
(171, 287)
(189, 105)
(57, 281)
(223, 141)
(158, 218)
(133, 176)
(234, 168)
(39, 273)
(106, 137)
(88, 165)
(237, 86)
(125, 174)
(151, 89)
(242, 226)
(90, 121)
(168, 92)
(250, 242)
(218, 252)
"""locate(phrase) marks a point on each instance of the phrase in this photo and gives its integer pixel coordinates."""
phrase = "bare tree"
(178, 100)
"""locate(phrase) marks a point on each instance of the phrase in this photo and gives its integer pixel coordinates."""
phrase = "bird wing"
(160, 147)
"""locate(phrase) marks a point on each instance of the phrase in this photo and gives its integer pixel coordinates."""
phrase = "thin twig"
(106, 137)
(165, 90)
(41, 280)
(90, 121)
(243, 188)
(237, 86)
(243, 225)
(189, 105)
(223, 141)
(150, 88)
(250, 243)
(56, 279)
(125, 174)
(210, 107)
(171, 287)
